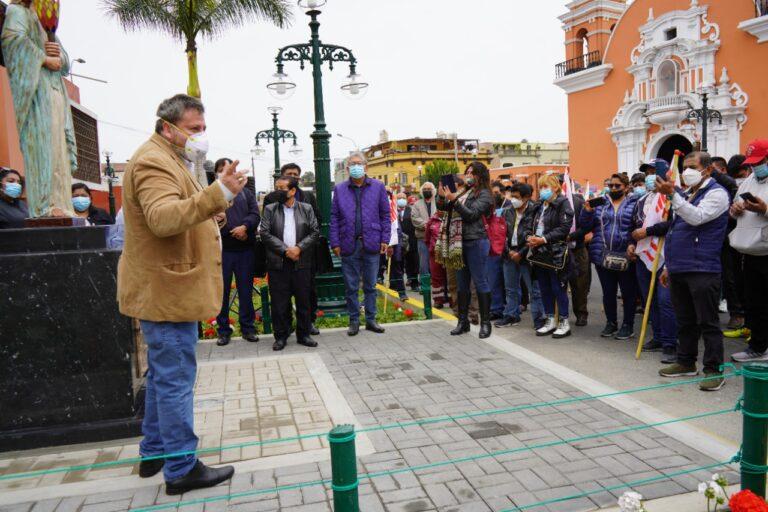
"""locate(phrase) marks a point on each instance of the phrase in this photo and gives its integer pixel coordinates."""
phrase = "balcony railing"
(676, 101)
(761, 8)
(577, 64)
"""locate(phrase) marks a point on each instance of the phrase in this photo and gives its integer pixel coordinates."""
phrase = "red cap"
(757, 151)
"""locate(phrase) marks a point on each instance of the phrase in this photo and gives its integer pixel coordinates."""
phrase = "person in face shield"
(169, 277)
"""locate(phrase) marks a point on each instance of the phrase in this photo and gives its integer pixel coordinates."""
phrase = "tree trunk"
(193, 87)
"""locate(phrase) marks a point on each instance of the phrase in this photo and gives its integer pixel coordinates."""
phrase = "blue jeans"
(474, 252)
(662, 313)
(168, 425)
(611, 281)
(360, 264)
(241, 264)
(553, 289)
(495, 276)
(513, 273)
(423, 257)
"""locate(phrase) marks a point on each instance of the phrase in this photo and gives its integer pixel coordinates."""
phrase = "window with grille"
(87, 138)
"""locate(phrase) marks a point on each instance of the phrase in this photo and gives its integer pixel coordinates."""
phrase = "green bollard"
(754, 450)
(344, 468)
(426, 293)
(266, 313)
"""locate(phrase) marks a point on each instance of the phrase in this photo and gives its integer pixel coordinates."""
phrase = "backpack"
(496, 227)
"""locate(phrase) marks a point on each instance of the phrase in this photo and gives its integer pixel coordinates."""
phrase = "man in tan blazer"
(169, 277)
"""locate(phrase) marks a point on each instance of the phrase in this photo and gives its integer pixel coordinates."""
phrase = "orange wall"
(590, 112)
(101, 198)
(10, 153)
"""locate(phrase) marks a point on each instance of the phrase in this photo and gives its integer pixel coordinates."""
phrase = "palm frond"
(135, 15)
(223, 14)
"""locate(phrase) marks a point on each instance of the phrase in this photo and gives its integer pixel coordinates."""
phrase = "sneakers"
(749, 356)
(678, 370)
(581, 320)
(610, 330)
(652, 346)
(563, 329)
(669, 355)
(714, 381)
(738, 333)
(625, 332)
(495, 316)
(507, 321)
(548, 327)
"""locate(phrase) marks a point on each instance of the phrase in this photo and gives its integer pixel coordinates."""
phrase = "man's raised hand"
(232, 179)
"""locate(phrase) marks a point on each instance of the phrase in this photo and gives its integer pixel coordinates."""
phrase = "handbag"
(549, 256)
(612, 260)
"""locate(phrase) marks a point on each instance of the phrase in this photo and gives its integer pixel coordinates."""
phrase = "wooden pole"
(389, 269)
(649, 300)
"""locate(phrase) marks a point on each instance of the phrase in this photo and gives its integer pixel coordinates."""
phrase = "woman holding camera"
(472, 204)
(611, 225)
(546, 239)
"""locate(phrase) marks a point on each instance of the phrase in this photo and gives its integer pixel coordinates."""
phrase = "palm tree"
(186, 19)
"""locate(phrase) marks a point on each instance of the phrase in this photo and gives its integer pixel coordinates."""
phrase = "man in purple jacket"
(360, 231)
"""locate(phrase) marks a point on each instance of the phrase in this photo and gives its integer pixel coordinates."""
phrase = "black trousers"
(733, 279)
(290, 282)
(756, 303)
(696, 299)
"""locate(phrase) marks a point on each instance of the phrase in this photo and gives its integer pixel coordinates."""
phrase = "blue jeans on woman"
(553, 290)
(168, 425)
(513, 274)
(474, 253)
(611, 281)
(662, 314)
(495, 275)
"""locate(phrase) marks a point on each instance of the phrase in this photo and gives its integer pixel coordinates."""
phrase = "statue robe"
(43, 115)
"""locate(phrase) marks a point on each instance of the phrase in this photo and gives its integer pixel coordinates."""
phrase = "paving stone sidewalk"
(417, 371)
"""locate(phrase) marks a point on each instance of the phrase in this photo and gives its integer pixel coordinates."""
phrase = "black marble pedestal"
(66, 353)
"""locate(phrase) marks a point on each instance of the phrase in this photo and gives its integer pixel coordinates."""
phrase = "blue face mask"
(81, 203)
(545, 194)
(401, 203)
(650, 182)
(499, 212)
(640, 191)
(356, 171)
(13, 190)
(761, 171)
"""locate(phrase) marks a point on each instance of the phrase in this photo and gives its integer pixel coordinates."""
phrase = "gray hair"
(173, 109)
(428, 184)
(358, 154)
(704, 158)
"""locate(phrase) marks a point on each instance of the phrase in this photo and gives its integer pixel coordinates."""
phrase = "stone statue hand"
(52, 50)
(53, 63)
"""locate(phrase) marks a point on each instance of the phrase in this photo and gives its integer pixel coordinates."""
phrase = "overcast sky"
(482, 68)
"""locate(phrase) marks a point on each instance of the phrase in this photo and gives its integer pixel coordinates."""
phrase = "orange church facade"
(634, 72)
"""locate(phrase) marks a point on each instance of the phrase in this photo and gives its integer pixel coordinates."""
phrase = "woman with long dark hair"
(470, 206)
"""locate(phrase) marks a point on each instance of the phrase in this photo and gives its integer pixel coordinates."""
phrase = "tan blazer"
(170, 269)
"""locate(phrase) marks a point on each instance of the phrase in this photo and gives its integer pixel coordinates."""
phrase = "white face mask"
(516, 203)
(196, 147)
(691, 177)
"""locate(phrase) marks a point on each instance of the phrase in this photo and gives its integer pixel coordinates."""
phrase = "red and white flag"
(393, 219)
(568, 193)
(647, 248)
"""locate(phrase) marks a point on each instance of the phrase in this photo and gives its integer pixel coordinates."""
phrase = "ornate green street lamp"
(316, 53)
(276, 135)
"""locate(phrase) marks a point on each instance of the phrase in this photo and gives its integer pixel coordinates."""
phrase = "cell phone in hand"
(449, 181)
(597, 201)
(747, 196)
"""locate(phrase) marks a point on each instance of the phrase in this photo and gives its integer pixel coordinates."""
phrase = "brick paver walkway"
(417, 371)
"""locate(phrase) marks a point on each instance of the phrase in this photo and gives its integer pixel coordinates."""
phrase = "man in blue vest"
(693, 272)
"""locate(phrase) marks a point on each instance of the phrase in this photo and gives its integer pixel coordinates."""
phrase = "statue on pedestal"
(36, 65)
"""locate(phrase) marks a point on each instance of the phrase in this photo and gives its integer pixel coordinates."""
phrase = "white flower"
(631, 502)
(719, 491)
(703, 486)
(715, 477)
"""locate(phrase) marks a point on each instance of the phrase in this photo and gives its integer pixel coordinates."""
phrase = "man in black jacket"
(515, 267)
(289, 231)
(303, 196)
(580, 279)
(237, 257)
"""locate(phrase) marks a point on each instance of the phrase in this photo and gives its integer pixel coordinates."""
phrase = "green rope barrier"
(616, 487)
(408, 469)
(425, 421)
(740, 407)
(748, 467)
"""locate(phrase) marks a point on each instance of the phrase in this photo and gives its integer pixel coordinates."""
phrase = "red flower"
(209, 333)
(408, 313)
(211, 320)
(320, 313)
(231, 322)
(257, 317)
(232, 286)
(747, 501)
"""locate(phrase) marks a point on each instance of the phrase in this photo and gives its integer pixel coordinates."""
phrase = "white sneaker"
(547, 328)
(723, 306)
(749, 356)
(563, 329)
